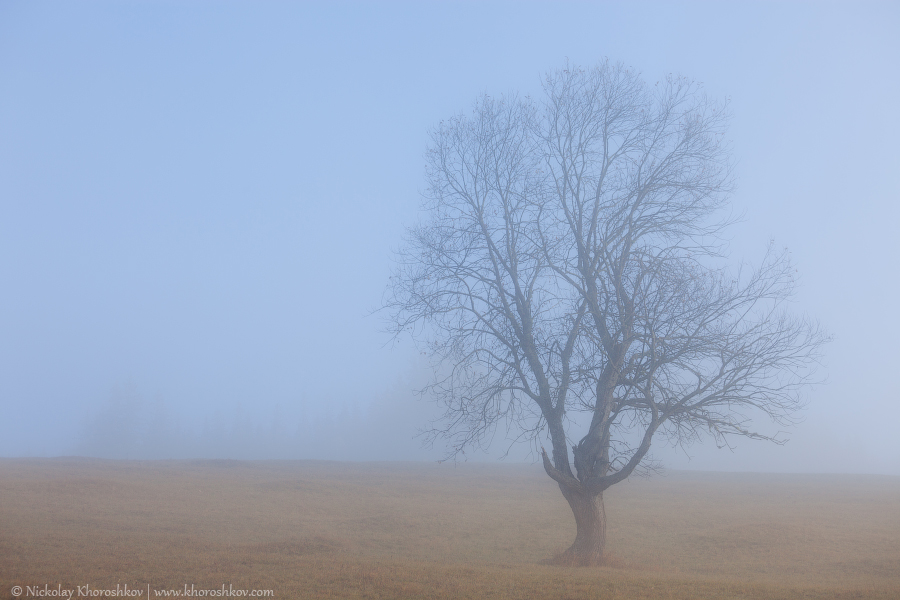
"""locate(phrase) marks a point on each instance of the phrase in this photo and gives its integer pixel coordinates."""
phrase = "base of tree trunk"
(590, 539)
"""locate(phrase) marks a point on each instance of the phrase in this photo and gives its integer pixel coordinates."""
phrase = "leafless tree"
(571, 263)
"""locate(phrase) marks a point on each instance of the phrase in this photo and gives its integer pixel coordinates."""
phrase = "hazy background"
(199, 200)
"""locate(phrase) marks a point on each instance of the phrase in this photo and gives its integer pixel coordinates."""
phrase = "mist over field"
(199, 205)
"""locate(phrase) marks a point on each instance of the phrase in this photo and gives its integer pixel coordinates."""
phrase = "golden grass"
(410, 530)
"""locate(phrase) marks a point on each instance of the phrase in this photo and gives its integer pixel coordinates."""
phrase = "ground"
(307, 529)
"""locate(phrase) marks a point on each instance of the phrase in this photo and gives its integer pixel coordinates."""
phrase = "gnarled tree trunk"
(586, 501)
(590, 520)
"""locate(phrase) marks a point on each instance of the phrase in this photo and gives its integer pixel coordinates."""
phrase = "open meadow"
(309, 529)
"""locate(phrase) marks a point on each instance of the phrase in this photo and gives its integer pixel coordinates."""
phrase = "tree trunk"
(590, 520)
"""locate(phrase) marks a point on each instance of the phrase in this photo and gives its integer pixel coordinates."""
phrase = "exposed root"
(569, 558)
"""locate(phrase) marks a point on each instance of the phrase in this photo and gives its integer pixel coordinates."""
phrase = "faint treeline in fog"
(132, 426)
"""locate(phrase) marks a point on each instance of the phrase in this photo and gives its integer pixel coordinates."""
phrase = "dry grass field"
(410, 530)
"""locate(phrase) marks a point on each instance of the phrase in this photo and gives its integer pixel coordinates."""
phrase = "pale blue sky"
(198, 201)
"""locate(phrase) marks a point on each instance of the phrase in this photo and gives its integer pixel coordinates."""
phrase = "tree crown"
(569, 264)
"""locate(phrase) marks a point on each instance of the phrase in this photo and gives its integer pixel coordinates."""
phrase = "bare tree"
(570, 263)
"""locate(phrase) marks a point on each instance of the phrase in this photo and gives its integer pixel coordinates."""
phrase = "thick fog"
(199, 203)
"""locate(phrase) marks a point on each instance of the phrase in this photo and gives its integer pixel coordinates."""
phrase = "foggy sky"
(199, 203)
